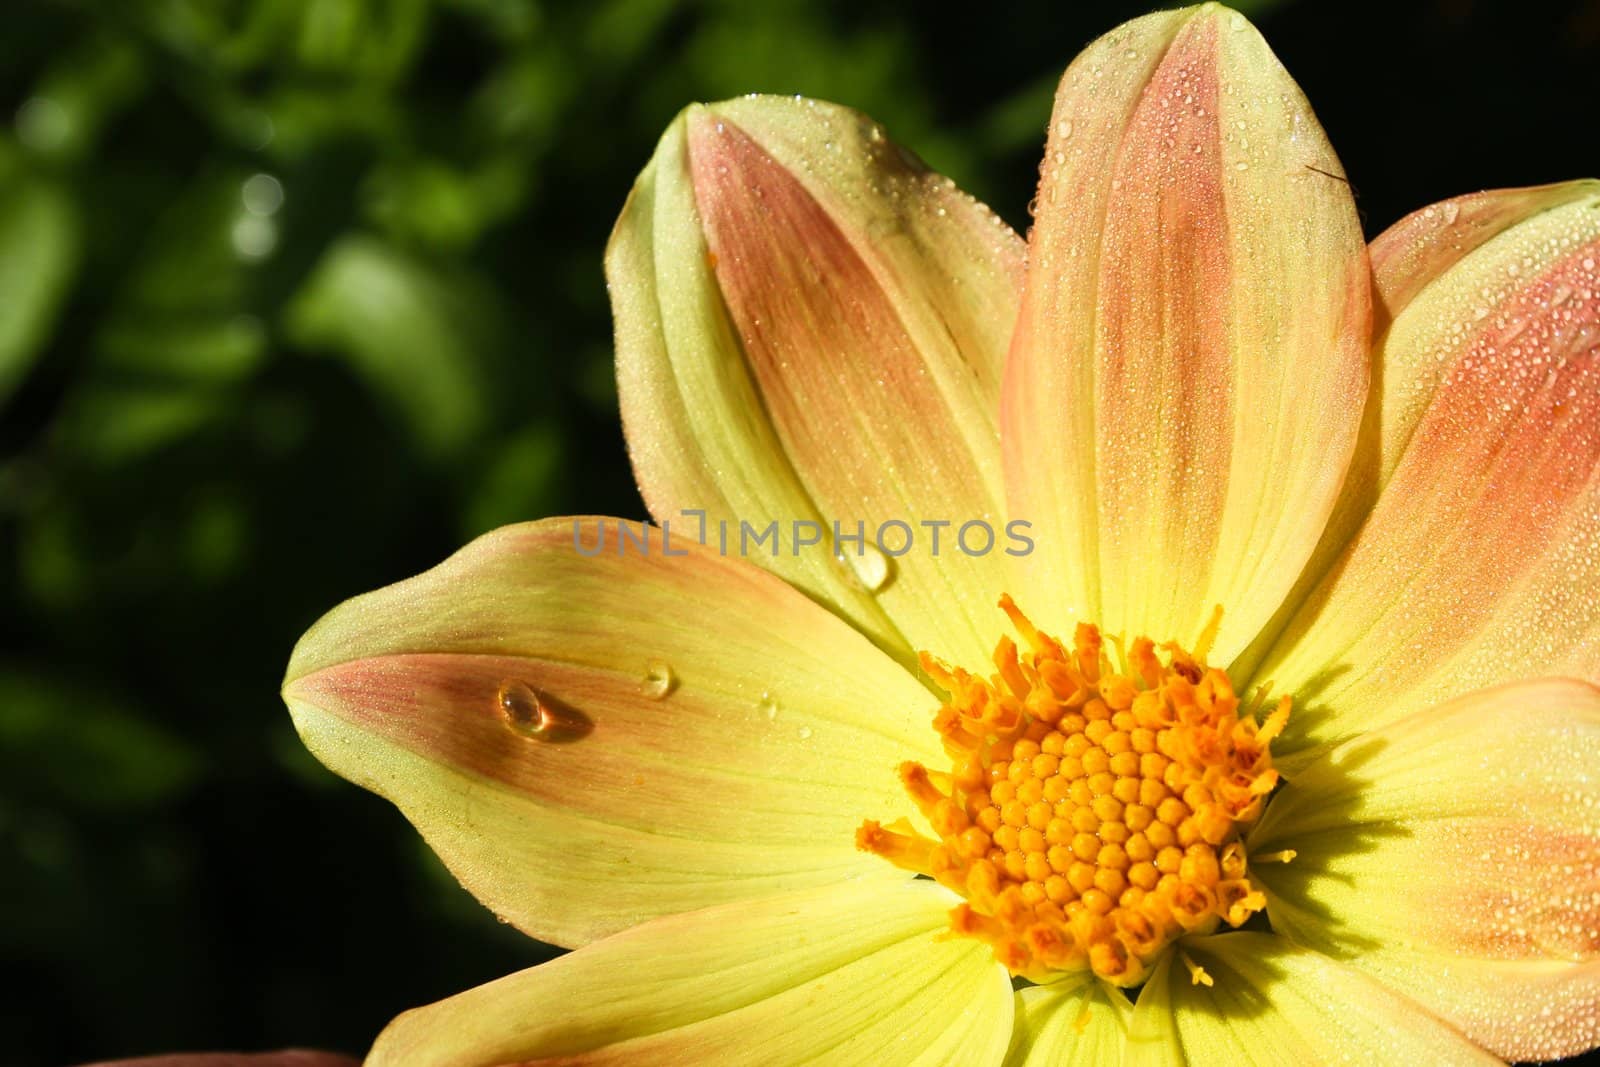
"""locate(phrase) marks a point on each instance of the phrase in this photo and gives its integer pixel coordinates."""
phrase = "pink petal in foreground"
(591, 742)
(1186, 379)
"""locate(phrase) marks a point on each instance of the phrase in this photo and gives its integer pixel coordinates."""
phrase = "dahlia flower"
(1243, 712)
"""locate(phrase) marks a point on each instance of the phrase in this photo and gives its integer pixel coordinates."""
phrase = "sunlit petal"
(714, 734)
(845, 974)
(810, 327)
(1264, 1000)
(1069, 1024)
(1480, 558)
(1455, 854)
(1186, 379)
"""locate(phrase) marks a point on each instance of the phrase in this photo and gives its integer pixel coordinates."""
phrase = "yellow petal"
(1478, 562)
(1069, 1024)
(1186, 380)
(715, 734)
(852, 973)
(1271, 1002)
(810, 329)
(1456, 856)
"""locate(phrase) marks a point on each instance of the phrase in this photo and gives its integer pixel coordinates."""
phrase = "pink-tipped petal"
(1415, 252)
(849, 974)
(1186, 379)
(1455, 855)
(592, 742)
(810, 328)
(1479, 559)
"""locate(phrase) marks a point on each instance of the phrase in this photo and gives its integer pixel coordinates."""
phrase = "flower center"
(1093, 811)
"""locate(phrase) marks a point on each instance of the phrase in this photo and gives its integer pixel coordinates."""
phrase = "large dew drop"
(870, 567)
(537, 715)
(659, 681)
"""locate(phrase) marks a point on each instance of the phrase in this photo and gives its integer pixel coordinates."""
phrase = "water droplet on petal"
(520, 705)
(1451, 212)
(805, 733)
(768, 706)
(869, 566)
(658, 681)
(537, 715)
(1063, 129)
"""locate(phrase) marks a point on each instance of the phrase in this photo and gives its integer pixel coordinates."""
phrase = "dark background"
(221, 414)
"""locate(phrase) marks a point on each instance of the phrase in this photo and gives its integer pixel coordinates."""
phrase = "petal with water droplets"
(1265, 1000)
(1455, 855)
(507, 702)
(854, 973)
(1479, 558)
(1185, 383)
(810, 329)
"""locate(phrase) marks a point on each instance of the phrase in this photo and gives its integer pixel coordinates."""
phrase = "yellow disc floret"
(1093, 812)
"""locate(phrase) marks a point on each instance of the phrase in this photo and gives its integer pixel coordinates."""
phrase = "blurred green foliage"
(297, 295)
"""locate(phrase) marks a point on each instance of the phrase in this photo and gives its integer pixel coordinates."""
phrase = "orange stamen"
(1094, 809)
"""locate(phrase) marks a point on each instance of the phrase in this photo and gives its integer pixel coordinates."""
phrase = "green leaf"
(38, 258)
(520, 479)
(417, 335)
(82, 747)
(180, 337)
